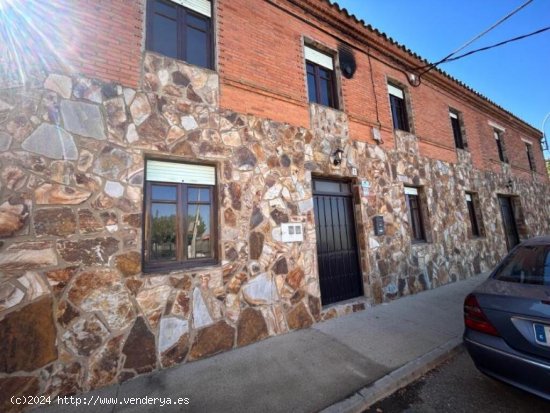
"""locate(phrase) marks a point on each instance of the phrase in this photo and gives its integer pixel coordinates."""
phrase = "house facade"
(181, 178)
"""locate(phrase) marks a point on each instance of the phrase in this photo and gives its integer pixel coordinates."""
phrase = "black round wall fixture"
(348, 66)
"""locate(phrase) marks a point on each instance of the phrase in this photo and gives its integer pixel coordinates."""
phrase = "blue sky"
(516, 76)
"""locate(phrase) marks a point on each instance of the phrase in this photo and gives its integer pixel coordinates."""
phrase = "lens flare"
(37, 36)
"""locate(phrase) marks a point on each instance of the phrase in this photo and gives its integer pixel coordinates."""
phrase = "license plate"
(542, 334)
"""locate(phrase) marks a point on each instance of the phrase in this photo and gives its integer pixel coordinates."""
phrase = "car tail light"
(475, 319)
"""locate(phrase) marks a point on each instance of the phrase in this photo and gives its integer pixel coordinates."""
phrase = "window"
(179, 215)
(457, 132)
(181, 29)
(415, 214)
(320, 78)
(528, 264)
(398, 108)
(472, 213)
(500, 146)
(530, 157)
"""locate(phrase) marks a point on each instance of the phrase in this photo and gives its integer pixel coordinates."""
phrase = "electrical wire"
(373, 88)
(452, 59)
(469, 42)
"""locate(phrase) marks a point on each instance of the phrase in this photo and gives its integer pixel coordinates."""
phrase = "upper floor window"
(321, 83)
(500, 145)
(179, 226)
(181, 29)
(530, 157)
(414, 207)
(398, 105)
(457, 130)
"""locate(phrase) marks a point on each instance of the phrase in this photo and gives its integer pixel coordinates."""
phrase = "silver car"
(507, 319)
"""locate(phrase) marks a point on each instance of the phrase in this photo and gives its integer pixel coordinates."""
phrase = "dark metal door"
(338, 259)
(510, 228)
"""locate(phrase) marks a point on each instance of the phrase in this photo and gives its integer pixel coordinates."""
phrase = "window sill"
(325, 107)
(401, 130)
(175, 59)
(420, 243)
(179, 267)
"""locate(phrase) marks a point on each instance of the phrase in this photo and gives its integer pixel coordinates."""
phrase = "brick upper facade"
(260, 59)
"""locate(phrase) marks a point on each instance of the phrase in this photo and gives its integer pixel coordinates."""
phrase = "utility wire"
(469, 42)
(452, 59)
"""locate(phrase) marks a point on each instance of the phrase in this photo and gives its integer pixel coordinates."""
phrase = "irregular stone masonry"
(71, 289)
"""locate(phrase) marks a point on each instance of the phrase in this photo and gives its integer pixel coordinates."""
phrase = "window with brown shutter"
(181, 29)
(400, 117)
(179, 224)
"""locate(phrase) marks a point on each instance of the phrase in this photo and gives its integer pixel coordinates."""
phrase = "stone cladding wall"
(76, 312)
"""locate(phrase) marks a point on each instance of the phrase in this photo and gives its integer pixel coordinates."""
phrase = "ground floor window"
(418, 233)
(179, 215)
(472, 212)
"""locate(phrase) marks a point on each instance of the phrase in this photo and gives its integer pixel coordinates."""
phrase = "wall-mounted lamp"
(337, 157)
(510, 185)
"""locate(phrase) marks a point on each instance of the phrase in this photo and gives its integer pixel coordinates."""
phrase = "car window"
(527, 265)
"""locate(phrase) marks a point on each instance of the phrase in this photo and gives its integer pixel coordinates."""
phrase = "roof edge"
(354, 23)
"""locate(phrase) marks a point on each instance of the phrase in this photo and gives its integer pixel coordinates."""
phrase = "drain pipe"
(544, 136)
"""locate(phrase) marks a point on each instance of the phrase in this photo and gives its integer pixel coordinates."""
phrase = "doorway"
(337, 255)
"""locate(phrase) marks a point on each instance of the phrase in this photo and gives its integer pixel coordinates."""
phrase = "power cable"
(452, 59)
(469, 42)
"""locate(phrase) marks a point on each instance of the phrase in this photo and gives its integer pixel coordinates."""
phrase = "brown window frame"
(530, 157)
(182, 207)
(474, 224)
(500, 145)
(399, 113)
(457, 130)
(414, 209)
(314, 70)
(181, 26)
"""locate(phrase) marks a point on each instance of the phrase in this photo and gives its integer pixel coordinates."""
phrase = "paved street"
(457, 386)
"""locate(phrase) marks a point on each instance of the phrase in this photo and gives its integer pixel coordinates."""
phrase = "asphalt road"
(457, 386)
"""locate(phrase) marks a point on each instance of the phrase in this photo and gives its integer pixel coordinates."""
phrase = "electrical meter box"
(292, 232)
(379, 226)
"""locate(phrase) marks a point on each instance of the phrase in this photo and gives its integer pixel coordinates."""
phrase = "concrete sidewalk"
(341, 365)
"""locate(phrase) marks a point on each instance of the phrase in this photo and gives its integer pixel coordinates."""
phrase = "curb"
(397, 379)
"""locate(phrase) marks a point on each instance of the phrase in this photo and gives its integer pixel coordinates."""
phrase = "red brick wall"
(261, 66)
(110, 39)
(261, 47)
(97, 38)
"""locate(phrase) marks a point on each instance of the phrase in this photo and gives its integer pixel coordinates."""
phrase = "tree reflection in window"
(163, 232)
(198, 223)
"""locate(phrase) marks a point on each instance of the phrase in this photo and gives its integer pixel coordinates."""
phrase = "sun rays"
(36, 36)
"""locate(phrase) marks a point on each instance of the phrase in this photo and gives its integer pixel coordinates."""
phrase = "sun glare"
(35, 36)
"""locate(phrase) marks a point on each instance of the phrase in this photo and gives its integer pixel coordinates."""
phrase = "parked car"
(507, 319)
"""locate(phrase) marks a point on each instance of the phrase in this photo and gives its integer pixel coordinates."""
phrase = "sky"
(516, 76)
